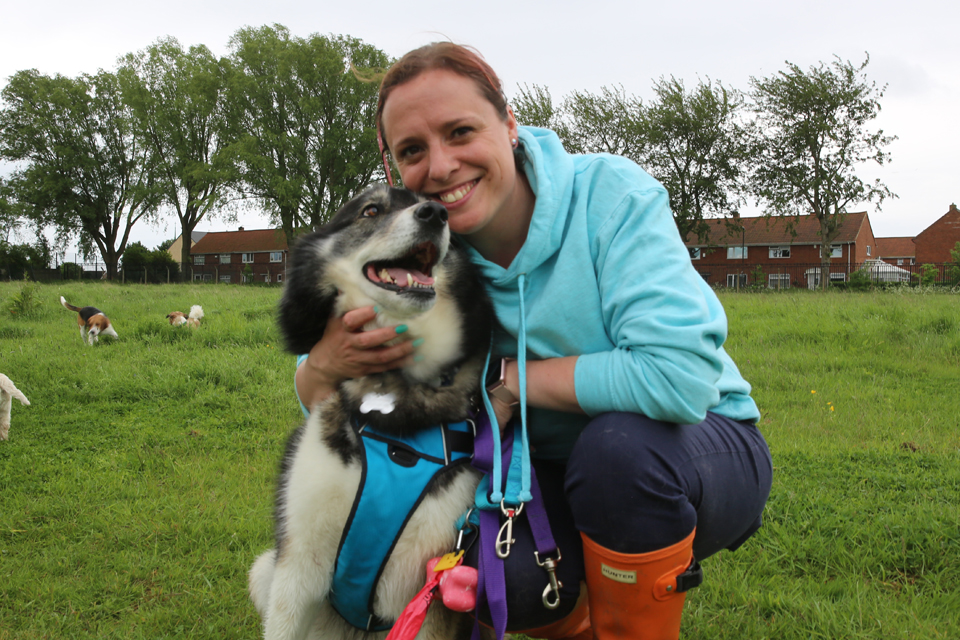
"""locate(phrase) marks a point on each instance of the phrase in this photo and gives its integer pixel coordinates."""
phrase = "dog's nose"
(432, 213)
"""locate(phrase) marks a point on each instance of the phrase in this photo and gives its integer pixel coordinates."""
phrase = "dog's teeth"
(385, 275)
(409, 280)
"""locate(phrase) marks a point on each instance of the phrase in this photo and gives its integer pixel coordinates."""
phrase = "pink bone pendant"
(458, 586)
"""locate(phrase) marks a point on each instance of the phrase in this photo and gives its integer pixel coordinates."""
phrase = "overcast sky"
(913, 46)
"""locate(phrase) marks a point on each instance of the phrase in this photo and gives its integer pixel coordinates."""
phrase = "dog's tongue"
(399, 275)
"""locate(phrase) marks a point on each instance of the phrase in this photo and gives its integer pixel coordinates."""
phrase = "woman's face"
(450, 143)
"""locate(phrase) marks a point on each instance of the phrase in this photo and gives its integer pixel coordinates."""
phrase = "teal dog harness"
(396, 475)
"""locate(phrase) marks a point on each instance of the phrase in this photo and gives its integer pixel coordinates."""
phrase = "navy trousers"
(635, 485)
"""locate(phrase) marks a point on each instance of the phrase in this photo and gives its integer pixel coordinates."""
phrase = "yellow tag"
(449, 561)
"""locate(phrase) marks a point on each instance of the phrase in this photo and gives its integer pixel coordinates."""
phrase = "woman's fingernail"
(416, 343)
(376, 309)
(401, 328)
(418, 358)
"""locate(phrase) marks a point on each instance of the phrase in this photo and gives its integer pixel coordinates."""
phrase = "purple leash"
(491, 580)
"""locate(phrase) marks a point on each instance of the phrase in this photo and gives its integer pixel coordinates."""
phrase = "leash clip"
(505, 536)
(550, 566)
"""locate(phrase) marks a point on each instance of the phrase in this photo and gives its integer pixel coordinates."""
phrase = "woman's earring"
(514, 142)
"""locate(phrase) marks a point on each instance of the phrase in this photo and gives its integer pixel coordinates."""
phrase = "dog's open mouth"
(411, 273)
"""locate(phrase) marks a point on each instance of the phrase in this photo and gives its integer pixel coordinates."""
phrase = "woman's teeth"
(453, 196)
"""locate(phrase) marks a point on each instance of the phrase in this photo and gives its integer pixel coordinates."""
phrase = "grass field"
(136, 489)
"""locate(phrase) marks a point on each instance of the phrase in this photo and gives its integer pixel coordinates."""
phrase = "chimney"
(241, 228)
(953, 208)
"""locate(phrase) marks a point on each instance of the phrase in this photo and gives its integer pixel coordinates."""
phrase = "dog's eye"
(370, 211)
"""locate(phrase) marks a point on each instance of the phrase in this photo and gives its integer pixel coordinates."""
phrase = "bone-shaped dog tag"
(382, 402)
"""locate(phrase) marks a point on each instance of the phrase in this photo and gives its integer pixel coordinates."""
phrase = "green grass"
(136, 490)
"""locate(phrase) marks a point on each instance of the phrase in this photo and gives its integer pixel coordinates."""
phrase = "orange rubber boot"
(639, 596)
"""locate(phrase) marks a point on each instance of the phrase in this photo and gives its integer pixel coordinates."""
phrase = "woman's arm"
(347, 351)
(549, 386)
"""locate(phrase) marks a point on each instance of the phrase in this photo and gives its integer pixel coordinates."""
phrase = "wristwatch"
(499, 388)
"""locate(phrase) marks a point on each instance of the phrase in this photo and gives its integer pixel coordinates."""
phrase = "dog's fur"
(335, 269)
(8, 391)
(92, 322)
(192, 319)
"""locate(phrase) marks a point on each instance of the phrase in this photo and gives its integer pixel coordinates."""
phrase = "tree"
(696, 148)
(606, 123)
(154, 264)
(809, 138)
(305, 130)
(534, 108)
(177, 97)
(80, 166)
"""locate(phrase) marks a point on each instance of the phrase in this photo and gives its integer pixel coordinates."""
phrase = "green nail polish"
(418, 358)
(417, 342)
(376, 309)
(401, 328)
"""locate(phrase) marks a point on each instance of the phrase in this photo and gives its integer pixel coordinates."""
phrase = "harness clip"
(505, 536)
(550, 565)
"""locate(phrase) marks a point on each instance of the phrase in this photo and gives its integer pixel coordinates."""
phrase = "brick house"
(898, 251)
(934, 243)
(177, 245)
(783, 251)
(224, 256)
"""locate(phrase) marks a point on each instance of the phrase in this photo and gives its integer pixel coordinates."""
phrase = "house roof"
(241, 241)
(196, 235)
(899, 247)
(775, 230)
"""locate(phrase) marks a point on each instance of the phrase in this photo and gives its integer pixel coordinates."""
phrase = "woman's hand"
(503, 412)
(347, 351)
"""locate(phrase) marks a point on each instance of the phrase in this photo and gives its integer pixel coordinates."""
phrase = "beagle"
(91, 321)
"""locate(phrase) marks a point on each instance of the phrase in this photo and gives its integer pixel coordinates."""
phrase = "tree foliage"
(691, 141)
(80, 166)
(696, 147)
(810, 137)
(177, 98)
(304, 130)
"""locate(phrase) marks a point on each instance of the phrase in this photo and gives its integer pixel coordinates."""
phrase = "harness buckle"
(505, 535)
(550, 566)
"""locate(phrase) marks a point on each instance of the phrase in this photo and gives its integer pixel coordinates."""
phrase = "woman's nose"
(442, 163)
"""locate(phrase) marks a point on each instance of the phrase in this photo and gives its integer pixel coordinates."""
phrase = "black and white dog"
(390, 248)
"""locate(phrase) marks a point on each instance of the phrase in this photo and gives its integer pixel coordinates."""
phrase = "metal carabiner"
(550, 565)
(505, 535)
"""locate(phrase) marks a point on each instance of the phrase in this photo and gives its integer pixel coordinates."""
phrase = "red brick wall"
(935, 242)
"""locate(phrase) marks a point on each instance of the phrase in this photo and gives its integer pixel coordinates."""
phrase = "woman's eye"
(370, 211)
(408, 152)
(461, 131)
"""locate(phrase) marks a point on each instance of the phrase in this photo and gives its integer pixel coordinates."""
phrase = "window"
(899, 261)
(836, 251)
(276, 256)
(225, 279)
(224, 258)
(279, 277)
(779, 252)
(778, 281)
(736, 280)
(868, 250)
(736, 253)
(198, 276)
(245, 278)
(695, 253)
(200, 259)
(265, 276)
(208, 277)
(246, 258)
(838, 277)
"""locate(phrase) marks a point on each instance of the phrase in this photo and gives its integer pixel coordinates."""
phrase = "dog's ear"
(307, 301)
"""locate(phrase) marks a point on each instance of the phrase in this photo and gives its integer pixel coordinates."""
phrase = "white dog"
(7, 393)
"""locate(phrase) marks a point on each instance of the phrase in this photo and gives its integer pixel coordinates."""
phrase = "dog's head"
(387, 247)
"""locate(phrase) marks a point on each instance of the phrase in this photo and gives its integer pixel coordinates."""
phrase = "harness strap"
(401, 472)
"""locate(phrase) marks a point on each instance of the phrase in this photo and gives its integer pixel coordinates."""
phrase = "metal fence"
(807, 276)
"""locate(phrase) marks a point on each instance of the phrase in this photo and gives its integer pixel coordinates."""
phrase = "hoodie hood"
(549, 169)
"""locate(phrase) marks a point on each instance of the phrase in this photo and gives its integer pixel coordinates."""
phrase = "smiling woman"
(638, 425)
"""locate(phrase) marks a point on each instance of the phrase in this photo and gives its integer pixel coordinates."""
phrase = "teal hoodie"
(608, 278)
